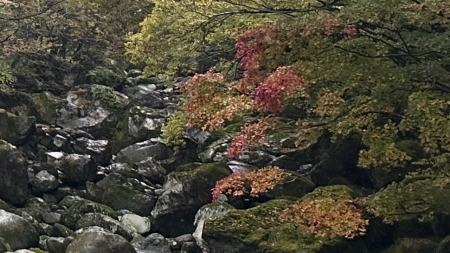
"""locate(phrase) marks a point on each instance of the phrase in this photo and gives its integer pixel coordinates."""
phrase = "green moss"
(419, 195)
(331, 191)
(105, 76)
(187, 167)
(413, 245)
(260, 226)
(172, 132)
(107, 97)
(37, 250)
(208, 171)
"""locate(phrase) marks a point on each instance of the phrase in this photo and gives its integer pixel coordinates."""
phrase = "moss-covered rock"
(4, 246)
(81, 207)
(413, 245)
(417, 206)
(260, 229)
(294, 186)
(120, 197)
(13, 174)
(185, 191)
(37, 250)
(15, 129)
(45, 104)
(59, 230)
(108, 98)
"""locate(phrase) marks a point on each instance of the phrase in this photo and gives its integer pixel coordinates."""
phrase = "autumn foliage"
(328, 217)
(250, 183)
(212, 101)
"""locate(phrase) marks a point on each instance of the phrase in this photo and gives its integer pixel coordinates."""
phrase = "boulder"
(260, 229)
(95, 109)
(17, 231)
(97, 240)
(141, 151)
(120, 197)
(81, 207)
(15, 129)
(79, 168)
(13, 174)
(107, 223)
(152, 243)
(184, 192)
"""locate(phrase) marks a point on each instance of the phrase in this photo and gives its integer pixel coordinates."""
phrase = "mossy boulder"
(136, 125)
(413, 245)
(13, 174)
(16, 129)
(45, 105)
(259, 229)
(120, 197)
(95, 109)
(185, 191)
(294, 186)
(81, 207)
(417, 206)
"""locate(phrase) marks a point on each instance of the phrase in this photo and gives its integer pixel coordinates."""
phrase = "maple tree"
(376, 69)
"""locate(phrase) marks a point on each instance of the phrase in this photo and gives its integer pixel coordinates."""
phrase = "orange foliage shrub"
(328, 217)
(249, 183)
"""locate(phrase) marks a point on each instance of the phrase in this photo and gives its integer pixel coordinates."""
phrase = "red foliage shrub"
(249, 183)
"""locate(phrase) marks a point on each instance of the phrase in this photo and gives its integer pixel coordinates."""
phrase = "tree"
(376, 69)
(63, 36)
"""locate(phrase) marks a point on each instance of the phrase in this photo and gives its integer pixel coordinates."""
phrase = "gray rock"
(444, 246)
(144, 123)
(138, 223)
(51, 217)
(120, 197)
(100, 150)
(97, 240)
(46, 104)
(42, 181)
(81, 207)
(79, 168)
(14, 176)
(94, 109)
(185, 191)
(206, 212)
(145, 95)
(15, 129)
(140, 151)
(57, 244)
(17, 231)
(55, 158)
(134, 73)
(155, 243)
(111, 179)
(109, 224)
(152, 170)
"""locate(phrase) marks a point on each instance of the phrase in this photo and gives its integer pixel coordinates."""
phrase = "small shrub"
(250, 183)
(328, 217)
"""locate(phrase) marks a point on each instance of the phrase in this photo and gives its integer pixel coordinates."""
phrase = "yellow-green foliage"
(177, 32)
(419, 196)
(376, 69)
(172, 132)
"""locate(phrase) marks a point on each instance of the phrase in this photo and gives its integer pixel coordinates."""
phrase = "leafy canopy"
(376, 69)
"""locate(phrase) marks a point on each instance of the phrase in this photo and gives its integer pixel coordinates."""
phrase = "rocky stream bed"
(88, 172)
